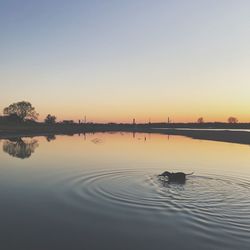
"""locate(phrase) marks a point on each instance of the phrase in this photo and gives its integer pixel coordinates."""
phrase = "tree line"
(230, 119)
(24, 111)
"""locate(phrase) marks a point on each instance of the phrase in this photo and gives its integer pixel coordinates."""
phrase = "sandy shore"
(240, 137)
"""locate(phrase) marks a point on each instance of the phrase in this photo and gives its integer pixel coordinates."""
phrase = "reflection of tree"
(20, 148)
(51, 138)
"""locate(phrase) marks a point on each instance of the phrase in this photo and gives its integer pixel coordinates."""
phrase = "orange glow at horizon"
(141, 111)
(127, 116)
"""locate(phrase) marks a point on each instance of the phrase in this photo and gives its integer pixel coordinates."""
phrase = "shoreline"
(229, 136)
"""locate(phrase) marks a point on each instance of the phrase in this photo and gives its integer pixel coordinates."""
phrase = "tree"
(50, 119)
(232, 119)
(200, 120)
(23, 110)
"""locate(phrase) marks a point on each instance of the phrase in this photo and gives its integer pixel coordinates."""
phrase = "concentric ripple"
(143, 190)
(204, 205)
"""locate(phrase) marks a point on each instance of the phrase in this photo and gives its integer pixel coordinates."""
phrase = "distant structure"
(67, 121)
(168, 120)
(134, 121)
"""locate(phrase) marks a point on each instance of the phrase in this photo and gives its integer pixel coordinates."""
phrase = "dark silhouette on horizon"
(232, 119)
(200, 120)
(50, 119)
(20, 120)
(22, 110)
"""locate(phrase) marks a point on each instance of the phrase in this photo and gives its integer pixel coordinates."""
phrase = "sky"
(117, 60)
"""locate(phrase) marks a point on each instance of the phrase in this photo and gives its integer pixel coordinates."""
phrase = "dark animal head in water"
(166, 173)
(175, 177)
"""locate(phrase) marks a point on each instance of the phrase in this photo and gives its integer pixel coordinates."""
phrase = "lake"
(102, 191)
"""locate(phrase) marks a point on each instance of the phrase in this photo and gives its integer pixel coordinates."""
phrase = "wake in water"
(204, 203)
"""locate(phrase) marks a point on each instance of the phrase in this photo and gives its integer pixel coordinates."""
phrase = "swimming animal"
(179, 177)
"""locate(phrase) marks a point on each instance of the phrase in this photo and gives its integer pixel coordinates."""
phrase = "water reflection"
(50, 138)
(20, 148)
(76, 195)
(97, 141)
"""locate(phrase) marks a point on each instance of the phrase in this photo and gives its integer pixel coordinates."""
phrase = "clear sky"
(116, 60)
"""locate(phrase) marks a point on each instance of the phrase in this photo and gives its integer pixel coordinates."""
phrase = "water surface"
(101, 191)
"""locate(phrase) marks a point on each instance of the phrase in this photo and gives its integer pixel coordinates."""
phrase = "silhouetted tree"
(23, 110)
(20, 148)
(200, 120)
(50, 119)
(232, 119)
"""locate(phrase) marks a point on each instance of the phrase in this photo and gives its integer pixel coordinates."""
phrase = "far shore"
(40, 129)
(240, 137)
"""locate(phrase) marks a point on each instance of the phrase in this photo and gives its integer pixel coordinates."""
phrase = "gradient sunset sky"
(119, 60)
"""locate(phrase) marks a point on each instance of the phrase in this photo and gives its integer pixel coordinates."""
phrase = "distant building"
(68, 122)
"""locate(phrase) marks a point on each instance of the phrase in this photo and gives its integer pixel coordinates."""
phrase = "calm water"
(101, 191)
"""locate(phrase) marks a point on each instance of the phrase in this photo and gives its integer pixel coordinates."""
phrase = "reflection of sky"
(114, 60)
(123, 151)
